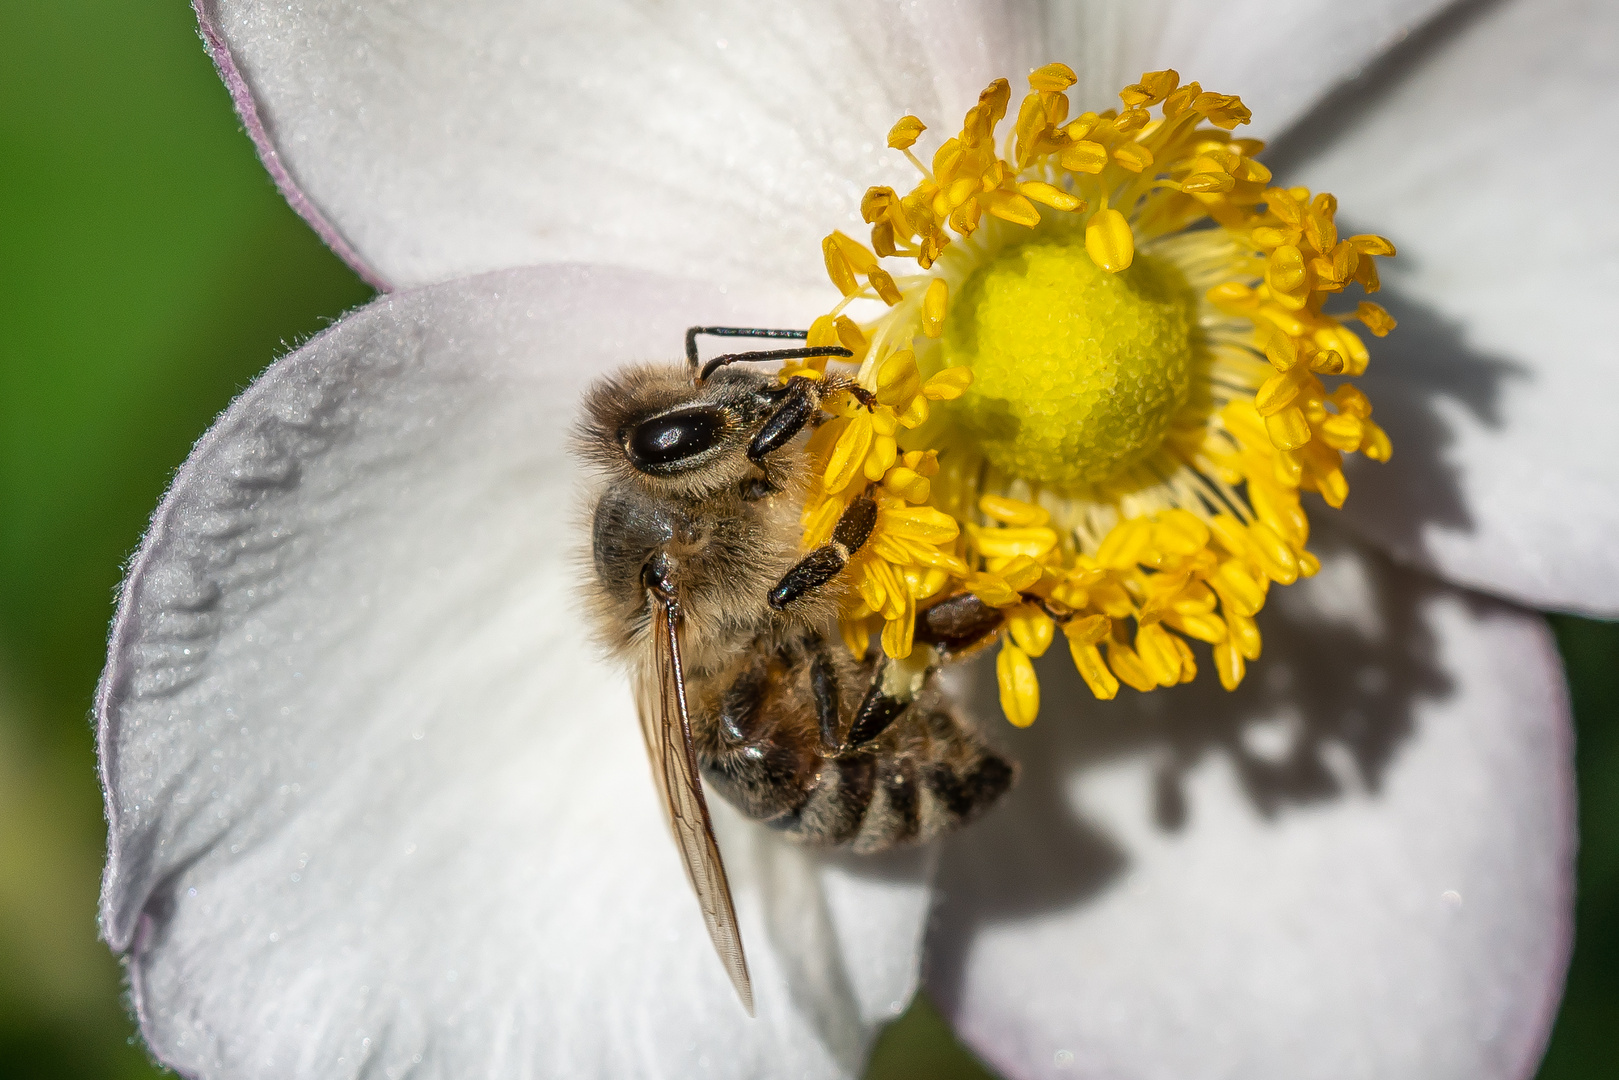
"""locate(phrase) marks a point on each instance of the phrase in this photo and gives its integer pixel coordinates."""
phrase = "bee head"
(655, 428)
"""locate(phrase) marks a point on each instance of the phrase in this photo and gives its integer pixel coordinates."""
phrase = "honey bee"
(730, 629)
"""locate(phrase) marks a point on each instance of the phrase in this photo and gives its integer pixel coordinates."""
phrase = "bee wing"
(667, 728)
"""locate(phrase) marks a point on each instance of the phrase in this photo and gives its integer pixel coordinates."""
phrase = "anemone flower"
(378, 805)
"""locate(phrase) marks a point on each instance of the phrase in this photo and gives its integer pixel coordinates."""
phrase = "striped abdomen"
(771, 732)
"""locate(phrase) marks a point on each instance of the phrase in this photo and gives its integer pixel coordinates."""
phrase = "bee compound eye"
(660, 443)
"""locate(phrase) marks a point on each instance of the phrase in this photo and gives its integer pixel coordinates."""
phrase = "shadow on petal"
(1512, 248)
(1349, 660)
(1357, 866)
(1375, 83)
(818, 909)
(1421, 375)
(1428, 367)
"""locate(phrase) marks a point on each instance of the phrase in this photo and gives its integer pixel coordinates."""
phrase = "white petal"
(721, 139)
(1279, 58)
(376, 804)
(1359, 866)
(1478, 160)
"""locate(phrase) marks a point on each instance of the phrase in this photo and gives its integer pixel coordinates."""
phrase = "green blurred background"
(148, 270)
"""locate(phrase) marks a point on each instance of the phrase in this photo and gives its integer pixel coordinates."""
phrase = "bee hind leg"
(957, 625)
(878, 709)
(824, 689)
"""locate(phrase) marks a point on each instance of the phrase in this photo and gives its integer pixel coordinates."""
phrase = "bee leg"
(799, 400)
(824, 687)
(955, 626)
(877, 710)
(822, 565)
(958, 624)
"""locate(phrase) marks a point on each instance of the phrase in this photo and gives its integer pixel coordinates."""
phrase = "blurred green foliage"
(148, 270)
(1585, 1043)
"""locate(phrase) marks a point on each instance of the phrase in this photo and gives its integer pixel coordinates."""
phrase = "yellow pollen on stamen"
(1077, 373)
(1098, 396)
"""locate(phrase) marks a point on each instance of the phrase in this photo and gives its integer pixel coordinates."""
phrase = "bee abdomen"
(771, 753)
(923, 793)
(835, 804)
(931, 778)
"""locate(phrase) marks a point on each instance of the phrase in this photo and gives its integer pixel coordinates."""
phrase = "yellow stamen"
(934, 303)
(1020, 689)
(903, 135)
(1108, 241)
(1119, 336)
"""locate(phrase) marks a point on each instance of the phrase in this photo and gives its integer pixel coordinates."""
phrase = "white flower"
(378, 808)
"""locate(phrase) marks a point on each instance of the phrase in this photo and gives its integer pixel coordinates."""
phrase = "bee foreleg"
(822, 565)
(798, 403)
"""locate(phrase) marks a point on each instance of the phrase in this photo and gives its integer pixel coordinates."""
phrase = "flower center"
(1077, 372)
(1125, 328)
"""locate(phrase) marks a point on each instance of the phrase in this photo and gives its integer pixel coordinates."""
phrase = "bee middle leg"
(822, 565)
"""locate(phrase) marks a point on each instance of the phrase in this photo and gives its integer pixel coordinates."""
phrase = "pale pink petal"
(1476, 154)
(377, 805)
(1358, 867)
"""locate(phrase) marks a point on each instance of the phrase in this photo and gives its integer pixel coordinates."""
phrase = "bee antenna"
(772, 354)
(766, 354)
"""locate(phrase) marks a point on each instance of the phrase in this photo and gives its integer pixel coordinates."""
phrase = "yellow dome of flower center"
(1077, 372)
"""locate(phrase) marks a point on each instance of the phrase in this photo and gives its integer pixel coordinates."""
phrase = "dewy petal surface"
(1358, 866)
(430, 138)
(1475, 152)
(377, 806)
